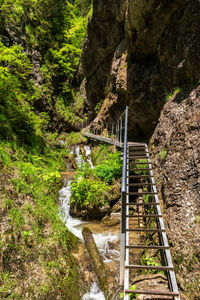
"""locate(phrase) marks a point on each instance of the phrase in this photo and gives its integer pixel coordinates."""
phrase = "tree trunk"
(97, 261)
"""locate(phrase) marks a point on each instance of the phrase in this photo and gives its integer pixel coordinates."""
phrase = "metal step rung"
(143, 203)
(142, 169)
(148, 292)
(139, 163)
(142, 193)
(136, 144)
(143, 216)
(145, 230)
(135, 149)
(162, 268)
(137, 157)
(147, 247)
(136, 153)
(140, 184)
(141, 150)
(139, 176)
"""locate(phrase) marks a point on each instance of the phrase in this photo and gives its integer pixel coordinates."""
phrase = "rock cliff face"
(175, 147)
(105, 31)
(135, 53)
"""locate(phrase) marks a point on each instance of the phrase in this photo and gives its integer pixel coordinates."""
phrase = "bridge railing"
(112, 130)
(123, 191)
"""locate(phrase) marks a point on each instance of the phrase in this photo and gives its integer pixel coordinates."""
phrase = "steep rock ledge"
(135, 53)
(175, 146)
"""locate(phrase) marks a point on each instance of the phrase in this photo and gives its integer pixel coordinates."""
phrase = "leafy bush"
(90, 186)
(53, 32)
(87, 191)
(75, 138)
(87, 188)
(17, 118)
(100, 153)
(110, 168)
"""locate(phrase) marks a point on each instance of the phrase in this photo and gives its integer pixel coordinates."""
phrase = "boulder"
(111, 220)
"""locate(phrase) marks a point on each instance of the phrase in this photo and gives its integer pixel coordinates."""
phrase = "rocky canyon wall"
(135, 53)
(175, 149)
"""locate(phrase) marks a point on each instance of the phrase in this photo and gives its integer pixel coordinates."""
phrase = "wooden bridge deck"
(103, 139)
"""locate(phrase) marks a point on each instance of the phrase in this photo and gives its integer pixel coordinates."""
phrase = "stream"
(103, 236)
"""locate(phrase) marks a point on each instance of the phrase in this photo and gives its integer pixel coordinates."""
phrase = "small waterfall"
(94, 294)
(88, 152)
(71, 223)
(75, 225)
(78, 157)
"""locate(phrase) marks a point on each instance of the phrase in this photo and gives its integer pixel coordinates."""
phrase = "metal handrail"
(123, 205)
(125, 152)
(116, 130)
(164, 239)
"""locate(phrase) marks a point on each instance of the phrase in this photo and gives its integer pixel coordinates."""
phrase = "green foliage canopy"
(39, 39)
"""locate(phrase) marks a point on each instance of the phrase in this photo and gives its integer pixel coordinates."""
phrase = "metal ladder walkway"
(142, 204)
(140, 209)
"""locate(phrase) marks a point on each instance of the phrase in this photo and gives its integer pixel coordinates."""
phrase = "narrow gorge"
(71, 67)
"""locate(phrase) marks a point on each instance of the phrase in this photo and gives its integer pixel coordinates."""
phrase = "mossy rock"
(109, 221)
(97, 261)
(76, 138)
(117, 207)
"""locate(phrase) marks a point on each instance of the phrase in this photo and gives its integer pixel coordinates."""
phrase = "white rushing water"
(94, 294)
(75, 226)
(88, 152)
(78, 157)
(102, 239)
(71, 223)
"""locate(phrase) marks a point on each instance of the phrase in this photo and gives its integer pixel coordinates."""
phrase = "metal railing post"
(121, 130)
(123, 208)
(118, 131)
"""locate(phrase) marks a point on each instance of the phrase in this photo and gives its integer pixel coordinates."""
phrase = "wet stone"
(112, 220)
